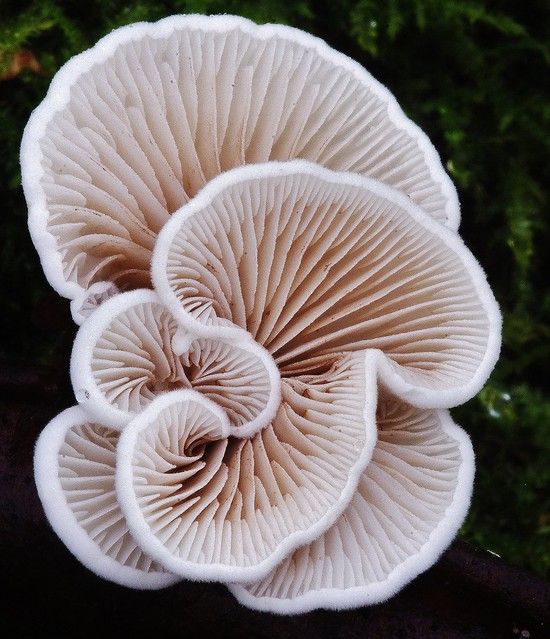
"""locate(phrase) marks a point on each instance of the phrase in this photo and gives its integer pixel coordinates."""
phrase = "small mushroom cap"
(409, 505)
(131, 349)
(315, 263)
(74, 465)
(232, 509)
(131, 129)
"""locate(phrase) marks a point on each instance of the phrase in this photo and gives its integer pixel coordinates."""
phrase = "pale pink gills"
(410, 503)
(231, 509)
(131, 129)
(84, 305)
(125, 354)
(315, 263)
(75, 475)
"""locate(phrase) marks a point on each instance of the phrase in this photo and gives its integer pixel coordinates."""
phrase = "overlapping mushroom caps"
(304, 323)
(233, 509)
(272, 414)
(133, 128)
(320, 267)
(409, 503)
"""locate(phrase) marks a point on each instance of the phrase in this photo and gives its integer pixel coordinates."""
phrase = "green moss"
(510, 513)
(469, 73)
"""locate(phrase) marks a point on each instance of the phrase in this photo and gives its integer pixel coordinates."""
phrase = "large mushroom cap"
(131, 129)
(410, 502)
(315, 263)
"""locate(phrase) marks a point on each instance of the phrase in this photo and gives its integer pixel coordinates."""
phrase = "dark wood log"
(468, 593)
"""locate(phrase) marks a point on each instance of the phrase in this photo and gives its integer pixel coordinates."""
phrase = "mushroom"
(133, 128)
(285, 458)
(410, 502)
(211, 507)
(315, 264)
(289, 301)
(74, 466)
(131, 349)
(319, 266)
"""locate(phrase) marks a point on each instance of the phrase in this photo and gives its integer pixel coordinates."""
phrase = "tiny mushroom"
(134, 127)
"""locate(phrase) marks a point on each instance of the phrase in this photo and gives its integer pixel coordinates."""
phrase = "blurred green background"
(474, 76)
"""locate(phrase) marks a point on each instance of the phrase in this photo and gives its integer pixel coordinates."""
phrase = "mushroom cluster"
(276, 313)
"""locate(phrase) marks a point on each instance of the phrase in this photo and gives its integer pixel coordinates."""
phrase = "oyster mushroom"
(410, 502)
(287, 298)
(285, 455)
(131, 350)
(133, 128)
(231, 509)
(315, 264)
(74, 465)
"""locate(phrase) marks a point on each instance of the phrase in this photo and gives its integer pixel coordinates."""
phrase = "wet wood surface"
(468, 593)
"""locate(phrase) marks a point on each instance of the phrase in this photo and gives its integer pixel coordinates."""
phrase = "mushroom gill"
(231, 509)
(131, 350)
(315, 264)
(410, 502)
(75, 476)
(134, 127)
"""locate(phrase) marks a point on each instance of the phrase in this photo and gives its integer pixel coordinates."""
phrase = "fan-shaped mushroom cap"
(233, 509)
(131, 349)
(315, 263)
(135, 126)
(410, 503)
(75, 475)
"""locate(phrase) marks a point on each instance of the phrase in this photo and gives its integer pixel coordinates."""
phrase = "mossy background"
(473, 75)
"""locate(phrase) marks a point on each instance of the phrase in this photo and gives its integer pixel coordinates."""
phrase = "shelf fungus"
(272, 414)
(133, 128)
